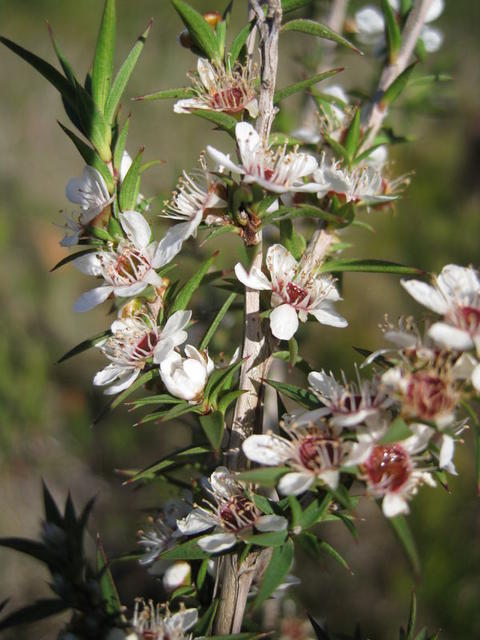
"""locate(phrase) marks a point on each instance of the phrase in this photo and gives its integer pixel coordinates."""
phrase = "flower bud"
(177, 575)
(212, 17)
(186, 378)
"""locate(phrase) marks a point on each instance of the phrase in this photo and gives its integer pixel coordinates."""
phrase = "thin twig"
(374, 115)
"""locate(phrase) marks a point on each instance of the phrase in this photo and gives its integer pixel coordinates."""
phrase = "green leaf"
(33, 613)
(293, 241)
(265, 476)
(269, 539)
(278, 568)
(353, 135)
(402, 531)
(397, 431)
(213, 425)
(296, 510)
(186, 551)
(203, 36)
(314, 512)
(392, 31)
(67, 69)
(139, 382)
(396, 88)
(130, 186)
(171, 460)
(221, 120)
(182, 92)
(107, 585)
(263, 504)
(204, 625)
(304, 397)
(102, 71)
(217, 320)
(85, 345)
(412, 618)
(71, 257)
(316, 548)
(91, 157)
(123, 76)
(292, 5)
(120, 144)
(45, 69)
(317, 29)
(183, 296)
(226, 399)
(161, 398)
(238, 44)
(337, 147)
(369, 266)
(220, 380)
(281, 94)
(178, 410)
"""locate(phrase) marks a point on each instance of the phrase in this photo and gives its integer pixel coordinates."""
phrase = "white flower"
(274, 170)
(148, 621)
(455, 294)
(162, 531)
(312, 450)
(389, 469)
(133, 342)
(221, 89)
(296, 291)
(128, 268)
(332, 120)
(90, 192)
(432, 38)
(195, 199)
(370, 24)
(349, 404)
(231, 515)
(467, 367)
(186, 377)
(362, 184)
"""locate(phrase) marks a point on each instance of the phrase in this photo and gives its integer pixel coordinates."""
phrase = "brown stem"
(248, 415)
(374, 115)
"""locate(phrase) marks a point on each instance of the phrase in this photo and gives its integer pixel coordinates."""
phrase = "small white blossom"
(134, 342)
(186, 377)
(154, 622)
(231, 515)
(274, 170)
(126, 269)
(221, 89)
(297, 290)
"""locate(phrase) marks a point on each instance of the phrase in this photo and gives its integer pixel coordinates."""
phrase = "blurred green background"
(46, 410)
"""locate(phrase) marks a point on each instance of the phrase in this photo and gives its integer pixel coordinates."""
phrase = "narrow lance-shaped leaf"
(221, 120)
(353, 135)
(281, 94)
(369, 266)
(183, 297)
(102, 72)
(313, 28)
(85, 345)
(67, 69)
(412, 618)
(203, 36)
(217, 320)
(120, 144)
(139, 382)
(165, 94)
(392, 31)
(238, 44)
(213, 425)
(107, 585)
(71, 257)
(304, 397)
(130, 185)
(397, 86)
(123, 76)
(93, 124)
(292, 5)
(277, 570)
(402, 531)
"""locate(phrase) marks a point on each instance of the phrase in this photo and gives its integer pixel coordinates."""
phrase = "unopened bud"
(212, 17)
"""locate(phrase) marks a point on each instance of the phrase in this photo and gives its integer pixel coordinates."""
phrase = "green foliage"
(313, 28)
(203, 36)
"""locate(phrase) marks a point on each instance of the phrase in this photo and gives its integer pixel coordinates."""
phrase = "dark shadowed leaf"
(276, 572)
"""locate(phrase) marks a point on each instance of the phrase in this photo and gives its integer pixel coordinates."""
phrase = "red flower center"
(388, 467)
(295, 294)
(318, 453)
(238, 513)
(230, 100)
(468, 318)
(429, 395)
(146, 345)
(131, 265)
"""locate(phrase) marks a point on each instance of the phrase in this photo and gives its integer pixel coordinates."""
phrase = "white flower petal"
(107, 375)
(394, 504)
(327, 316)
(130, 290)
(136, 227)
(175, 324)
(124, 381)
(253, 280)
(183, 620)
(90, 299)
(266, 449)
(435, 10)
(292, 484)
(432, 39)
(164, 350)
(330, 478)
(284, 322)
(176, 575)
(248, 141)
(476, 378)
(359, 454)
(271, 523)
(217, 542)
(207, 74)
(446, 451)
(425, 294)
(450, 337)
(89, 264)
(197, 521)
(223, 160)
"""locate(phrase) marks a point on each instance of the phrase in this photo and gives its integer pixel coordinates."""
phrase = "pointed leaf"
(33, 613)
(392, 31)
(131, 184)
(238, 44)
(107, 585)
(412, 618)
(264, 476)
(182, 92)
(203, 36)
(186, 551)
(67, 69)
(397, 431)
(353, 135)
(221, 120)
(292, 5)
(213, 425)
(317, 29)
(281, 94)
(278, 568)
(269, 539)
(183, 296)
(227, 399)
(290, 239)
(396, 88)
(123, 76)
(369, 266)
(404, 535)
(204, 625)
(86, 344)
(139, 382)
(120, 144)
(304, 397)
(217, 320)
(102, 71)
